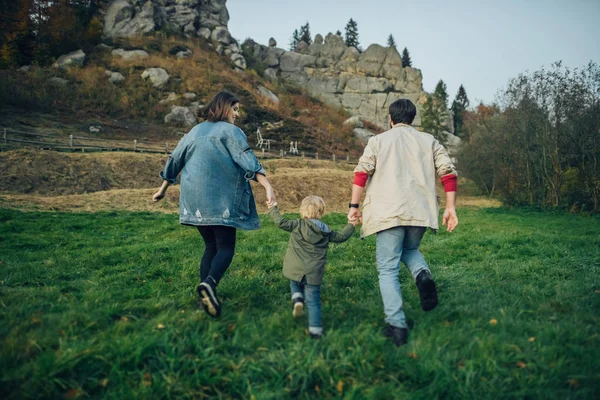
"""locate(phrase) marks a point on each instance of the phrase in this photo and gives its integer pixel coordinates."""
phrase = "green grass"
(82, 296)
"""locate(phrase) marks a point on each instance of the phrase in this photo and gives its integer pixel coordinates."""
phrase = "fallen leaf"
(62, 332)
(317, 389)
(447, 323)
(160, 326)
(460, 365)
(573, 383)
(413, 355)
(73, 393)
(231, 327)
(35, 320)
(147, 381)
(493, 322)
(340, 387)
(124, 318)
(103, 382)
(169, 280)
(532, 339)
(521, 364)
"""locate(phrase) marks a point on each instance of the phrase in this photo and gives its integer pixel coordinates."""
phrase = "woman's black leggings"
(220, 247)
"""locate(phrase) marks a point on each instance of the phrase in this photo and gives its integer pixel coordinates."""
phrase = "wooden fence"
(12, 138)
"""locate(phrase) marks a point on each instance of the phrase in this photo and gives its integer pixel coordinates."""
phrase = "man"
(400, 203)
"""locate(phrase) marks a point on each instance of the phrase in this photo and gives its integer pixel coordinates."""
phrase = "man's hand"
(354, 214)
(450, 219)
(158, 196)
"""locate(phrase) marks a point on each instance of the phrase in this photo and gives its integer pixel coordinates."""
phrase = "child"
(304, 261)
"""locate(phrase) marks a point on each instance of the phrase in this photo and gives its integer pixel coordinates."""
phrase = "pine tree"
(432, 118)
(294, 40)
(459, 107)
(351, 34)
(305, 34)
(441, 93)
(339, 33)
(391, 42)
(406, 62)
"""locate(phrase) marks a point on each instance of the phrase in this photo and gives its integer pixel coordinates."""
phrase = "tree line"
(41, 30)
(539, 145)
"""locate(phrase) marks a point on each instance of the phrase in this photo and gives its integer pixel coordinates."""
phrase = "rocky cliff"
(193, 18)
(365, 84)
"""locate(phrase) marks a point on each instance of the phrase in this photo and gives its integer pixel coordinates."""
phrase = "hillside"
(109, 93)
(46, 180)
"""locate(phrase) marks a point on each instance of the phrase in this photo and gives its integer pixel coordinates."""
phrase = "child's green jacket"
(307, 249)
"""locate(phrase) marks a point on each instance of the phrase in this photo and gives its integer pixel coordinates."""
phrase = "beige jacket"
(402, 164)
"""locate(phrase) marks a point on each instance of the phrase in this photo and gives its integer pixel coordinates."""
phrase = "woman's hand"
(158, 196)
(271, 200)
(450, 219)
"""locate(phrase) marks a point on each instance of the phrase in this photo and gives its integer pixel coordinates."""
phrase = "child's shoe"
(398, 335)
(208, 297)
(298, 307)
(427, 291)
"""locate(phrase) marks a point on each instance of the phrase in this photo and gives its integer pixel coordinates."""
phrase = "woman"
(216, 163)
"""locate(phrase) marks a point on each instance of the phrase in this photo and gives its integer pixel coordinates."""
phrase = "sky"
(479, 44)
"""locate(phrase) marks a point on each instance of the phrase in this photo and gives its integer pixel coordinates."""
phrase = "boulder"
(221, 35)
(189, 96)
(291, 61)
(73, 59)
(363, 134)
(272, 42)
(271, 75)
(238, 61)
(123, 19)
(181, 115)
(371, 60)
(354, 122)
(56, 81)
(318, 39)
(267, 94)
(114, 77)
(302, 45)
(24, 68)
(184, 54)
(129, 55)
(158, 76)
(204, 32)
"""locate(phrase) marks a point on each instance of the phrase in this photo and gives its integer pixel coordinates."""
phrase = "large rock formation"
(200, 18)
(365, 84)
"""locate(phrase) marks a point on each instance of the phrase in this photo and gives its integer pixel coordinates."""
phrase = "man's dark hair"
(216, 110)
(403, 111)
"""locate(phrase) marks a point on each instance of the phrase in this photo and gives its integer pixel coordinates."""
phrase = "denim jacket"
(216, 163)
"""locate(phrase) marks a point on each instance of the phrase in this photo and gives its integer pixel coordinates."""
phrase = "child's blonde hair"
(312, 207)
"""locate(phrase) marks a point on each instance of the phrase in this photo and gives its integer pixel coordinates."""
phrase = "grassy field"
(102, 305)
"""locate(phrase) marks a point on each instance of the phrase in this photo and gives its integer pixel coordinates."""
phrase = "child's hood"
(314, 230)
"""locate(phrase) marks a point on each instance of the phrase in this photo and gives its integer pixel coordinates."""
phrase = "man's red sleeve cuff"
(360, 178)
(450, 183)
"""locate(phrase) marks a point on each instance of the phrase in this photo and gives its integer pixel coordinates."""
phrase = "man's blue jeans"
(394, 245)
(312, 296)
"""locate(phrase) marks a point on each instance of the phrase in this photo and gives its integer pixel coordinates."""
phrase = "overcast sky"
(479, 43)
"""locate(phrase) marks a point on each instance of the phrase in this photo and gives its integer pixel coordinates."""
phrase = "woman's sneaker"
(208, 297)
(427, 290)
(298, 307)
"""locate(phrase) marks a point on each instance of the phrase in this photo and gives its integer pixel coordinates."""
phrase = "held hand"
(354, 214)
(354, 221)
(158, 196)
(271, 200)
(450, 219)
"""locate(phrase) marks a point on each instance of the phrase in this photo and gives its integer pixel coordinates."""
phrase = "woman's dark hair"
(216, 109)
(403, 111)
